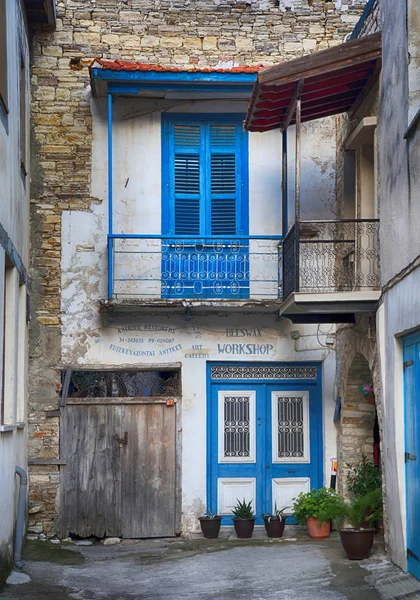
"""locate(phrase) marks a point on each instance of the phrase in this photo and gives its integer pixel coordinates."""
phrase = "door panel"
(148, 503)
(412, 451)
(120, 476)
(91, 480)
(288, 444)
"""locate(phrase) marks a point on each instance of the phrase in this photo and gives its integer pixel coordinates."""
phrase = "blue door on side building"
(205, 249)
(264, 435)
(411, 357)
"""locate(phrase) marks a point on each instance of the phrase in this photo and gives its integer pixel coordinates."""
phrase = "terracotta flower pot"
(357, 543)
(243, 527)
(318, 530)
(274, 526)
(210, 527)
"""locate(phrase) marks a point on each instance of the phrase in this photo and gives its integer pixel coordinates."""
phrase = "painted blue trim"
(242, 184)
(110, 207)
(168, 76)
(358, 27)
(158, 236)
(134, 88)
(411, 379)
(263, 492)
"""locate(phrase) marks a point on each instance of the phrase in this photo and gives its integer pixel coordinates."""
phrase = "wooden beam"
(293, 103)
(46, 461)
(339, 57)
(367, 88)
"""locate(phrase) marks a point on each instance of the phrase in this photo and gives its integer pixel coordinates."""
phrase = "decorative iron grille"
(121, 384)
(290, 427)
(236, 426)
(262, 372)
(189, 267)
(331, 256)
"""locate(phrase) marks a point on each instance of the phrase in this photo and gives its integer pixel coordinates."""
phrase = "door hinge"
(408, 363)
(409, 456)
(411, 554)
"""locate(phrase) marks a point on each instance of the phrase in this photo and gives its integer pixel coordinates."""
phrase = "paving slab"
(222, 569)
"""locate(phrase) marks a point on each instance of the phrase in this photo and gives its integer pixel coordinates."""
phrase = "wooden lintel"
(367, 88)
(135, 400)
(46, 461)
(292, 105)
(339, 57)
(53, 413)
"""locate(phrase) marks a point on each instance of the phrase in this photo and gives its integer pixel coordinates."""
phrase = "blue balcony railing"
(187, 267)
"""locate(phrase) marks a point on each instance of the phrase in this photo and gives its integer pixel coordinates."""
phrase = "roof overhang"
(142, 80)
(41, 11)
(328, 82)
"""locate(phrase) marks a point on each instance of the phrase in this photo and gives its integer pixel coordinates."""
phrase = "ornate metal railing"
(331, 256)
(160, 267)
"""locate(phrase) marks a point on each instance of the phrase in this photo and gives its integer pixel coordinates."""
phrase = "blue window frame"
(205, 175)
(205, 205)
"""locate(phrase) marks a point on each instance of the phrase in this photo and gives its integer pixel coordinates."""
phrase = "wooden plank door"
(149, 471)
(91, 480)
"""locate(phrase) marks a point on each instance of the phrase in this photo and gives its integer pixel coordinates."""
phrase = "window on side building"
(23, 123)
(3, 63)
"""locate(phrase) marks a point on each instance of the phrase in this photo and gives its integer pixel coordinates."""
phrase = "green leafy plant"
(356, 512)
(243, 510)
(323, 504)
(276, 514)
(209, 515)
(363, 478)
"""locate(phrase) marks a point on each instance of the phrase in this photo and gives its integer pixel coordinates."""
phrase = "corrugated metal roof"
(328, 82)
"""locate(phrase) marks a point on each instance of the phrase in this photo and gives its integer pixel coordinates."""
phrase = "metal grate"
(121, 384)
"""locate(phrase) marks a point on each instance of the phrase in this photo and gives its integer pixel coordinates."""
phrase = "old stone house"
(16, 18)
(163, 379)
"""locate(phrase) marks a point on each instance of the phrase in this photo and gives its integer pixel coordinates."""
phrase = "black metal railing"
(331, 256)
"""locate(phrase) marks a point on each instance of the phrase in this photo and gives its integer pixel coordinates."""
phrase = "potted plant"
(274, 522)
(210, 525)
(243, 519)
(363, 478)
(317, 508)
(357, 540)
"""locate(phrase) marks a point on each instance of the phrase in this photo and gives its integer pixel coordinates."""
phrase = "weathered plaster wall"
(400, 209)
(14, 241)
(186, 34)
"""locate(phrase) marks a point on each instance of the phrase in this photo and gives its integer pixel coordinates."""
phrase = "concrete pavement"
(224, 569)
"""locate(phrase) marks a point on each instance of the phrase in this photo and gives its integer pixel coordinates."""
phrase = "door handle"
(291, 470)
(121, 441)
(409, 456)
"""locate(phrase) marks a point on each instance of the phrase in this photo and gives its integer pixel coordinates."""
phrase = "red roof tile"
(122, 65)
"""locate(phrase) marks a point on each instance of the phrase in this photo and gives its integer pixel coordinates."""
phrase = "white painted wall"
(137, 202)
(14, 218)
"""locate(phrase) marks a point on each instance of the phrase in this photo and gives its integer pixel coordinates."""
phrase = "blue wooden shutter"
(187, 173)
(224, 180)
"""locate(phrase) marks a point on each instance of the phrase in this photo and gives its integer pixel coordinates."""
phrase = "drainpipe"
(20, 523)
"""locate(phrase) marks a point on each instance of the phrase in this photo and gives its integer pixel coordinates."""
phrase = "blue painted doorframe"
(411, 358)
(263, 469)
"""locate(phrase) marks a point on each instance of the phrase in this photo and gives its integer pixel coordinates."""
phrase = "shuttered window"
(205, 166)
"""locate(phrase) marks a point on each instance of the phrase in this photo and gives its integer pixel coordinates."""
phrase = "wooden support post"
(298, 158)
(284, 187)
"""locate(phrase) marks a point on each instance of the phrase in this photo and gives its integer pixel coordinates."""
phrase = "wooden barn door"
(120, 477)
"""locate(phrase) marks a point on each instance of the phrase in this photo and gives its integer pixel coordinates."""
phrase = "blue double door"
(265, 444)
(411, 356)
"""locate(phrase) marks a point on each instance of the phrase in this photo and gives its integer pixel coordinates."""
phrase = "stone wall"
(193, 33)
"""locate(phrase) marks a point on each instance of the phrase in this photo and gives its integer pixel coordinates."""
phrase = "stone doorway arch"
(359, 425)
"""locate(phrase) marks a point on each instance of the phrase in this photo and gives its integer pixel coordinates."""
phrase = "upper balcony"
(330, 268)
(179, 272)
(211, 184)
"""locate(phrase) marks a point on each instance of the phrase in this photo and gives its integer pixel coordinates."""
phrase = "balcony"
(331, 270)
(161, 272)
